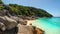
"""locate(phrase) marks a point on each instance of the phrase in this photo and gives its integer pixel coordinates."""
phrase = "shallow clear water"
(49, 25)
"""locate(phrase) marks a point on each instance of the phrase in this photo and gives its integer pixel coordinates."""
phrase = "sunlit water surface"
(49, 25)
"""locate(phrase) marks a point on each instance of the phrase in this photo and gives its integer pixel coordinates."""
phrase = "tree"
(1, 7)
(28, 11)
(1, 2)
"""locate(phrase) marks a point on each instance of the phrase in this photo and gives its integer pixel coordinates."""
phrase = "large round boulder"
(8, 23)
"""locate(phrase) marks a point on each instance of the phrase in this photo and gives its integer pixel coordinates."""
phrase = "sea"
(48, 25)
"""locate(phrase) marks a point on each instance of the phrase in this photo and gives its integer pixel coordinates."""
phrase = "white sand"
(29, 22)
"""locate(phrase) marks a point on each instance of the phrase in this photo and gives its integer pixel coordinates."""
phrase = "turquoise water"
(49, 25)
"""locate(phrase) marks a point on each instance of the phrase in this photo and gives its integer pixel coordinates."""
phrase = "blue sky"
(51, 6)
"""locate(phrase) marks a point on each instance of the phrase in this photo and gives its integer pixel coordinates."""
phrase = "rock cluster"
(15, 25)
(24, 29)
(7, 23)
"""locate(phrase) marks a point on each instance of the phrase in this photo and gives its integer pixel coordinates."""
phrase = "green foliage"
(1, 2)
(1, 7)
(28, 11)
(24, 10)
(14, 9)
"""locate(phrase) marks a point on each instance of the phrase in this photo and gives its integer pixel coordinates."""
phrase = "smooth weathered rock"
(2, 26)
(24, 29)
(8, 22)
(39, 31)
(19, 20)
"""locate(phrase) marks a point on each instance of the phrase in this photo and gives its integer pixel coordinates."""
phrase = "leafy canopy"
(1, 2)
(28, 11)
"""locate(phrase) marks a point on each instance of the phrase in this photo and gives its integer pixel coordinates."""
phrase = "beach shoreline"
(29, 22)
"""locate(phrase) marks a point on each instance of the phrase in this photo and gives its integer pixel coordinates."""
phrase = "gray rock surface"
(23, 29)
(7, 22)
(14, 25)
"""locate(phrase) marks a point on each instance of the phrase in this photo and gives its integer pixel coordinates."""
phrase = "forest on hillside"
(24, 10)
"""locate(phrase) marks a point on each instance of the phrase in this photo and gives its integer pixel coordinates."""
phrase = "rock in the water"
(39, 31)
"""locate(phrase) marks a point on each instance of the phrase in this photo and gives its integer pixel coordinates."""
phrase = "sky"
(51, 6)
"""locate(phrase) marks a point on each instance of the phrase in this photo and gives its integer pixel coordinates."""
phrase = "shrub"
(1, 7)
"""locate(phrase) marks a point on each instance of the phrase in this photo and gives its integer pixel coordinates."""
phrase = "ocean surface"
(49, 25)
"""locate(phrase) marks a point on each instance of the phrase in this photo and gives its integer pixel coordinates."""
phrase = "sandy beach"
(29, 22)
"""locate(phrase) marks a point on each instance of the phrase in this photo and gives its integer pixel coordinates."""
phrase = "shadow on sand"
(12, 31)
